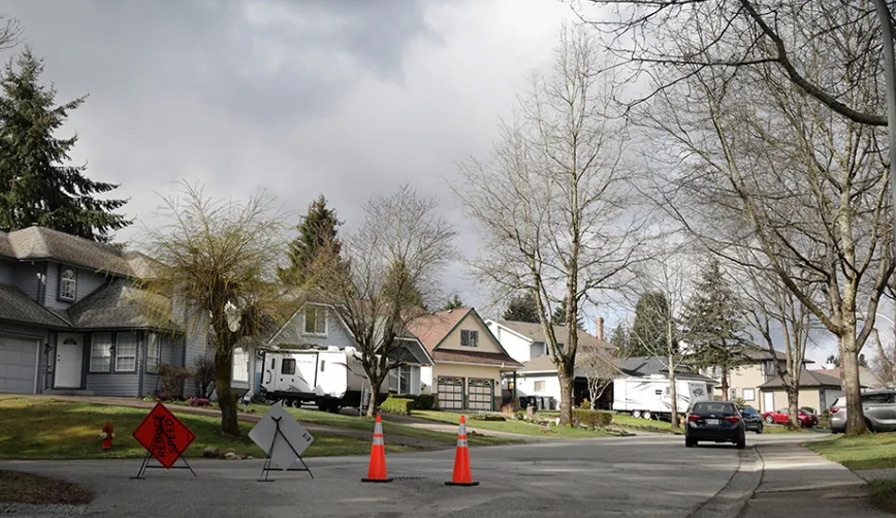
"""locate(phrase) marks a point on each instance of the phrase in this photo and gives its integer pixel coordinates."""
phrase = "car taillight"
(834, 410)
(733, 419)
(693, 417)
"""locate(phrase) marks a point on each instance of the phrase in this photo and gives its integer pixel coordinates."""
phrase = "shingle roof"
(807, 379)
(15, 306)
(432, 328)
(866, 377)
(535, 333)
(115, 306)
(35, 243)
(758, 354)
(638, 366)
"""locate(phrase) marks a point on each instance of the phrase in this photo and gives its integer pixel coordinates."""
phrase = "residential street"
(635, 476)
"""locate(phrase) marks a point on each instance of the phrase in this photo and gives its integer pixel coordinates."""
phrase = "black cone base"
(462, 483)
(376, 479)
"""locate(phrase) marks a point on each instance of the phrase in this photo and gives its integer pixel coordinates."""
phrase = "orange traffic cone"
(462, 475)
(377, 470)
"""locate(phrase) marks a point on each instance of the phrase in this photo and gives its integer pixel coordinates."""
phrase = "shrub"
(586, 405)
(397, 405)
(593, 418)
(198, 401)
(204, 377)
(510, 409)
(425, 402)
(172, 380)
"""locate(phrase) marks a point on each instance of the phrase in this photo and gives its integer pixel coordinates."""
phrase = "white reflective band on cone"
(378, 441)
(463, 430)
(461, 443)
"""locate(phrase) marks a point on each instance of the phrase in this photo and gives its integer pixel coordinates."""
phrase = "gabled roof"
(433, 328)
(760, 354)
(641, 366)
(115, 306)
(15, 306)
(39, 243)
(866, 377)
(807, 379)
(535, 333)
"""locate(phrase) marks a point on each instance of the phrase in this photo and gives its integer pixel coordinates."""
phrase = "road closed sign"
(163, 435)
(281, 437)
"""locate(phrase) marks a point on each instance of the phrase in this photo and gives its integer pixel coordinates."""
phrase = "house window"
(749, 394)
(153, 353)
(68, 284)
(733, 394)
(469, 338)
(101, 352)
(126, 352)
(405, 379)
(539, 386)
(315, 320)
(288, 367)
(240, 365)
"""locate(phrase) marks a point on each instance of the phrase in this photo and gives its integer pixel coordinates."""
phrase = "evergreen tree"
(317, 238)
(648, 333)
(713, 324)
(399, 287)
(619, 340)
(453, 303)
(522, 308)
(558, 317)
(36, 185)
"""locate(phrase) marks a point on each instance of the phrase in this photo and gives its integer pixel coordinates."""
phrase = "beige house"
(468, 360)
(745, 382)
(817, 392)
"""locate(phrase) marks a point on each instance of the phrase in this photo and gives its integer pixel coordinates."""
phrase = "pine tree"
(522, 308)
(713, 325)
(648, 333)
(453, 303)
(619, 340)
(36, 185)
(558, 317)
(399, 287)
(317, 238)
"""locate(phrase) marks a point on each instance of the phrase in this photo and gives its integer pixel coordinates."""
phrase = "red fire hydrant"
(107, 435)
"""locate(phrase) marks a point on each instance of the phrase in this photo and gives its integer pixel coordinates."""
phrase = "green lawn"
(883, 495)
(49, 429)
(869, 451)
(389, 429)
(780, 428)
(517, 427)
(635, 423)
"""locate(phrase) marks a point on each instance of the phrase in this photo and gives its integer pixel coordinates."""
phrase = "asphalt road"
(642, 476)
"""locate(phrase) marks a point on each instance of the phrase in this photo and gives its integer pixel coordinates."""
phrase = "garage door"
(482, 394)
(18, 359)
(451, 393)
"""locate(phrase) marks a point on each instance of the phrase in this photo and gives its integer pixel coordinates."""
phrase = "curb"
(733, 497)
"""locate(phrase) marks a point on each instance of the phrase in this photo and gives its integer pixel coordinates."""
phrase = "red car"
(781, 416)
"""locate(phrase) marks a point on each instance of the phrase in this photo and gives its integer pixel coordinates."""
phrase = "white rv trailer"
(651, 397)
(331, 378)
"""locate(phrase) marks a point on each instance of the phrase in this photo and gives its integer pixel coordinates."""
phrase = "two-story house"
(468, 360)
(69, 321)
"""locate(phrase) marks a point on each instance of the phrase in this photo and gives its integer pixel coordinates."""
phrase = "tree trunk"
(673, 392)
(373, 405)
(793, 407)
(226, 398)
(725, 384)
(566, 390)
(849, 377)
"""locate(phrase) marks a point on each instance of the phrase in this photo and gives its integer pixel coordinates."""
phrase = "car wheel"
(769, 419)
(742, 442)
(869, 426)
(690, 443)
(759, 430)
(646, 414)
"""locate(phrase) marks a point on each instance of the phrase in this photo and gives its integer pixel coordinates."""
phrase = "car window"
(748, 411)
(877, 398)
(807, 411)
(714, 407)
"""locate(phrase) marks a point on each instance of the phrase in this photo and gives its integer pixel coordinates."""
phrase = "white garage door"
(18, 359)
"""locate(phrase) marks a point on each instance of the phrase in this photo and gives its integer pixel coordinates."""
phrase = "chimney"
(599, 328)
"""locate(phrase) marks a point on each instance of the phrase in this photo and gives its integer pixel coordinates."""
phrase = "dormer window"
(68, 284)
(315, 321)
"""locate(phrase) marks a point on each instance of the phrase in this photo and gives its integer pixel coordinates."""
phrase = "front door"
(768, 401)
(69, 355)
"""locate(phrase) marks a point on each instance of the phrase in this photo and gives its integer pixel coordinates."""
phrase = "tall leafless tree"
(392, 263)
(551, 200)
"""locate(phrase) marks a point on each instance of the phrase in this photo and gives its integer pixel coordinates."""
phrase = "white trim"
(502, 326)
(504, 367)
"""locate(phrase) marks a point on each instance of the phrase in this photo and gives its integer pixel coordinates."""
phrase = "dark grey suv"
(879, 407)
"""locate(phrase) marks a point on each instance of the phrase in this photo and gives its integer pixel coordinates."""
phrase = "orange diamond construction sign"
(163, 435)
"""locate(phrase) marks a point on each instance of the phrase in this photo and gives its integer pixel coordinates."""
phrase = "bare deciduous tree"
(551, 201)
(600, 365)
(392, 263)
(220, 259)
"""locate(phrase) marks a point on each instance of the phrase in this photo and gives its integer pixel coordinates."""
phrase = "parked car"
(806, 417)
(879, 407)
(752, 419)
(716, 421)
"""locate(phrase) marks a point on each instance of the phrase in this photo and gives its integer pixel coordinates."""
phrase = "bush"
(397, 405)
(172, 380)
(586, 405)
(593, 418)
(198, 401)
(511, 408)
(204, 377)
(425, 402)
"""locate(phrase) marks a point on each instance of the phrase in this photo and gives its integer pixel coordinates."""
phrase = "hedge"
(421, 402)
(396, 405)
(593, 418)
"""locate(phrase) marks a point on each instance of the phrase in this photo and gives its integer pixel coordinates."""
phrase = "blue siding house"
(69, 321)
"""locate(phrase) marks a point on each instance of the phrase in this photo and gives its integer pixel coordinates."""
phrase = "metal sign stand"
(145, 465)
(266, 469)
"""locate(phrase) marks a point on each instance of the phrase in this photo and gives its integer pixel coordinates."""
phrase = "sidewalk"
(799, 483)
